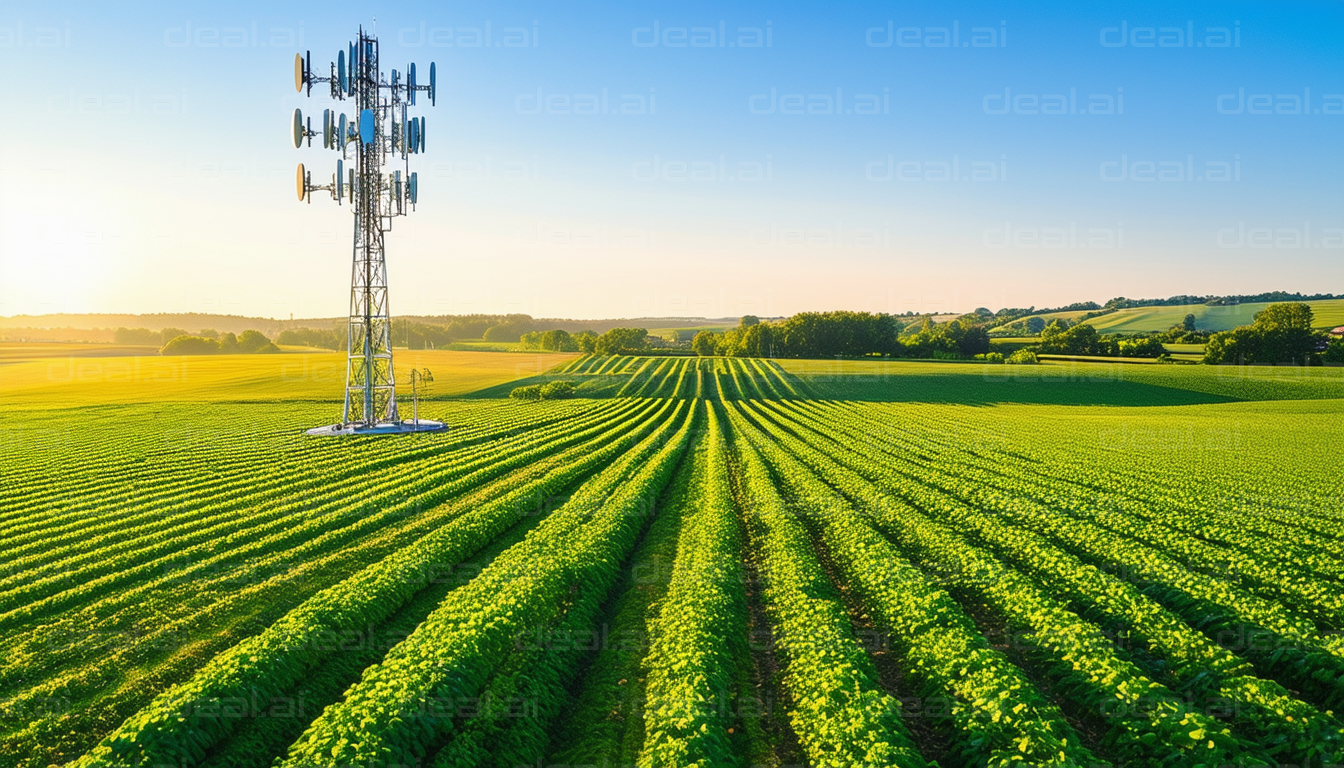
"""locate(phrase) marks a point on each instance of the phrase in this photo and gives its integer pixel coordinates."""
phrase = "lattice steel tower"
(378, 133)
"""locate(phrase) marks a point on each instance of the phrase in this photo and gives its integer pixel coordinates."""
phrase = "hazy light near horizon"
(838, 158)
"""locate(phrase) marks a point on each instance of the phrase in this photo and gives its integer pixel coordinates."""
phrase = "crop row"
(258, 479)
(1144, 721)
(396, 711)
(173, 529)
(178, 725)
(839, 712)
(1265, 711)
(220, 599)
(230, 540)
(1001, 718)
(690, 666)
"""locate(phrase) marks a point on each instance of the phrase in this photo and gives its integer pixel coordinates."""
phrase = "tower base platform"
(404, 427)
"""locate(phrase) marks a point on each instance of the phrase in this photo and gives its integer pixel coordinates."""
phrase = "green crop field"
(698, 561)
(1328, 314)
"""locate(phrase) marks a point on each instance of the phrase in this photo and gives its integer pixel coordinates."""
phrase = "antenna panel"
(432, 85)
(298, 128)
(300, 179)
(298, 72)
(366, 126)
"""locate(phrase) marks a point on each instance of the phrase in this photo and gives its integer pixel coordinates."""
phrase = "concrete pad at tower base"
(404, 427)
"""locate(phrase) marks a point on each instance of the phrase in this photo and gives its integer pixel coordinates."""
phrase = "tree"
(1188, 323)
(255, 342)
(1239, 345)
(550, 341)
(622, 341)
(1081, 339)
(828, 334)
(168, 334)
(757, 340)
(1289, 316)
(974, 341)
(1280, 333)
(310, 337)
(190, 345)
(1035, 325)
(228, 343)
(1334, 352)
(511, 328)
(1147, 346)
(586, 341)
(1055, 327)
(703, 344)
(747, 321)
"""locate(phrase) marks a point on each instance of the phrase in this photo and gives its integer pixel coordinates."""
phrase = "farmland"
(704, 561)
(1328, 314)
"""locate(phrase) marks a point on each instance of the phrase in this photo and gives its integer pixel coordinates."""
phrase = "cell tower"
(378, 132)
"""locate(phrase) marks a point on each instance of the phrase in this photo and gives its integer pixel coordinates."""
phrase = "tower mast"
(377, 133)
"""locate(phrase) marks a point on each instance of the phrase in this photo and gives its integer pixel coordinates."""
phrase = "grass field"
(44, 379)
(1328, 314)
(672, 334)
(705, 561)
(21, 351)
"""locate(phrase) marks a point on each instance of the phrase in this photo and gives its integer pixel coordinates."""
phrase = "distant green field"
(1328, 314)
(1096, 381)
(671, 334)
(1062, 382)
(1009, 344)
(1184, 349)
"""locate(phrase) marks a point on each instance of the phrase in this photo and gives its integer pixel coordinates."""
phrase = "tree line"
(1280, 333)
(848, 334)
(207, 341)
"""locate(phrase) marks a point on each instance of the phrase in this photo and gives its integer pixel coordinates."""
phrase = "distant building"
(1337, 330)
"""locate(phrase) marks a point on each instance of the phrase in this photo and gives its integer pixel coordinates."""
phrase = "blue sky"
(681, 159)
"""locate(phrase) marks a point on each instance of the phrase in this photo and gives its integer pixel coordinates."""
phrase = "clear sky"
(620, 159)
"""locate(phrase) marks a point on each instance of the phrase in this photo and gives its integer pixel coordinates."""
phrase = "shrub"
(991, 357)
(554, 390)
(1022, 357)
(1334, 353)
(190, 345)
(529, 392)
(1142, 347)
